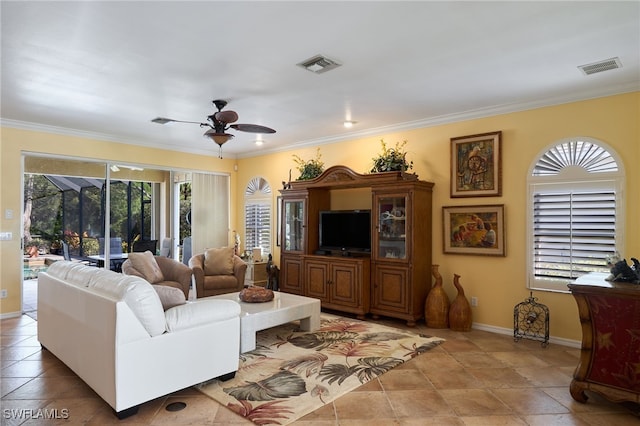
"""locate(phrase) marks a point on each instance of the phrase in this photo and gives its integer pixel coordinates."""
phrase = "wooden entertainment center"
(394, 278)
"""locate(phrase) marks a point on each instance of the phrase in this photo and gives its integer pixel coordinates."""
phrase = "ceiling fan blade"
(226, 116)
(163, 120)
(252, 128)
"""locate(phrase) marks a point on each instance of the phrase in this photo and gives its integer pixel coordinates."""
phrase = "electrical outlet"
(3, 294)
(474, 301)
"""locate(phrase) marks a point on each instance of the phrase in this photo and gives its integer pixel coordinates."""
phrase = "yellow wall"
(499, 283)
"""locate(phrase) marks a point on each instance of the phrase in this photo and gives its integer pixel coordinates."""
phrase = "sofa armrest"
(196, 263)
(239, 270)
(200, 312)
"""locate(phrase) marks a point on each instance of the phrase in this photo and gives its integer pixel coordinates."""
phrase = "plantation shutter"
(574, 232)
(258, 226)
(575, 213)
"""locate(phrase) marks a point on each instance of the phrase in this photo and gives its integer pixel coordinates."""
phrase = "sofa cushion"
(137, 293)
(144, 265)
(200, 312)
(169, 296)
(218, 261)
(75, 273)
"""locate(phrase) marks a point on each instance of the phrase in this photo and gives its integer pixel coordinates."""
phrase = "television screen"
(348, 230)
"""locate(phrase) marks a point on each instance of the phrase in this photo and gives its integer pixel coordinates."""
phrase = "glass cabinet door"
(293, 221)
(392, 227)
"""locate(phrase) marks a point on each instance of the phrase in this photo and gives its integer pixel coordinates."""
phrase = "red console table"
(610, 357)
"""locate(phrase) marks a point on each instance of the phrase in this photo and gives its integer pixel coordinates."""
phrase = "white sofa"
(112, 331)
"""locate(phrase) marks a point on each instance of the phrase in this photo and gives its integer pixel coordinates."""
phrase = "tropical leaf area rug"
(292, 373)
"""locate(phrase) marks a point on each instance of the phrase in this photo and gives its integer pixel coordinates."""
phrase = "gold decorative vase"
(436, 308)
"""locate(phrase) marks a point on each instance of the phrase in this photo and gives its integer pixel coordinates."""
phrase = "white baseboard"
(509, 332)
(10, 315)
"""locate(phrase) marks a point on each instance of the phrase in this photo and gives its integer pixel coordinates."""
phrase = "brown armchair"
(172, 273)
(217, 271)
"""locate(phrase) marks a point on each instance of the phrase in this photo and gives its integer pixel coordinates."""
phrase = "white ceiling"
(105, 69)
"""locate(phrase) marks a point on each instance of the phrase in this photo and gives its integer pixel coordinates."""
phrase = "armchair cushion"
(144, 265)
(170, 296)
(211, 285)
(218, 261)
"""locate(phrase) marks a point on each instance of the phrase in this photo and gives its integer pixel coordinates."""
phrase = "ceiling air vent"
(596, 67)
(319, 64)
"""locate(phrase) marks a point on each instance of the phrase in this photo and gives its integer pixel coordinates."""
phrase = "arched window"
(257, 215)
(575, 212)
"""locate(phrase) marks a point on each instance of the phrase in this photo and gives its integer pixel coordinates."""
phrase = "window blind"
(258, 226)
(574, 232)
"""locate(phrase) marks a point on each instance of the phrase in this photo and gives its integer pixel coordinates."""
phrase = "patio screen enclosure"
(72, 209)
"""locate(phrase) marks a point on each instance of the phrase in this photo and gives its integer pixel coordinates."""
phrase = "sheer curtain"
(209, 211)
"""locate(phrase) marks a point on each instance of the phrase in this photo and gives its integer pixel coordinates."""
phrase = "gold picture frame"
(476, 169)
(474, 230)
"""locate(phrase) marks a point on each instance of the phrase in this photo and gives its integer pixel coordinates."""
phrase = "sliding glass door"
(68, 202)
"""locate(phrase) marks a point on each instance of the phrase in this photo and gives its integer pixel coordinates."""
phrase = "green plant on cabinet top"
(311, 168)
(392, 159)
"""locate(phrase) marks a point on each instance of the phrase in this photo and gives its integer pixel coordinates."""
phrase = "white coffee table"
(284, 308)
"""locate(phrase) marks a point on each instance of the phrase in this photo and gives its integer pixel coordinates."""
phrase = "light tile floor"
(474, 378)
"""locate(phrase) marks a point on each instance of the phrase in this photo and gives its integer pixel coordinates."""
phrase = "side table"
(256, 274)
(610, 356)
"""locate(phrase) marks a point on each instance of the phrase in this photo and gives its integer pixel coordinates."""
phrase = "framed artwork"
(474, 230)
(476, 165)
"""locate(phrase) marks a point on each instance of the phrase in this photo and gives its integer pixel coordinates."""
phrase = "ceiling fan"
(218, 123)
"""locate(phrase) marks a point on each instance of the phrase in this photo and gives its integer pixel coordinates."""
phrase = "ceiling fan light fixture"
(348, 123)
(218, 138)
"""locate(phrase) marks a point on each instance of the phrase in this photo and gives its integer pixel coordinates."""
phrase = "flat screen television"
(345, 230)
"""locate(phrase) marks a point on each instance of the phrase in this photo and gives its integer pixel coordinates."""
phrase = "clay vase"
(436, 308)
(460, 309)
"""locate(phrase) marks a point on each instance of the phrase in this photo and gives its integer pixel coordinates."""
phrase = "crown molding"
(409, 125)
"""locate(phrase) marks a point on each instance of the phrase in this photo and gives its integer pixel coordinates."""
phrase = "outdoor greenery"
(77, 216)
(185, 210)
